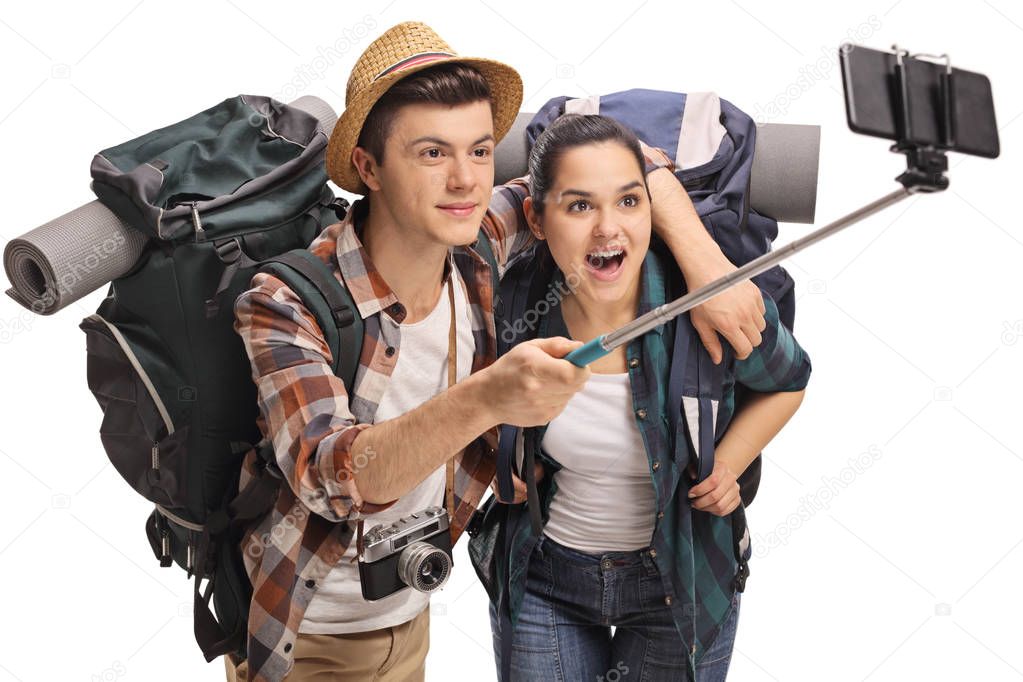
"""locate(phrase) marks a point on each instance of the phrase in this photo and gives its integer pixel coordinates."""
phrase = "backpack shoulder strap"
(329, 301)
(521, 289)
(487, 251)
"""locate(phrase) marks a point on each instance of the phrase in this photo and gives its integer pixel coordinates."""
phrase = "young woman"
(629, 539)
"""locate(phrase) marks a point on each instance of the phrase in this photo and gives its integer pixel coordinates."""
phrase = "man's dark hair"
(569, 131)
(451, 84)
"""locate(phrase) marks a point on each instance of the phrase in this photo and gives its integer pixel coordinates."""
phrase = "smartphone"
(955, 113)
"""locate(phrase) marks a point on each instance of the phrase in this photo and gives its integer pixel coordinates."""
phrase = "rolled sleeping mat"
(783, 185)
(55, 264)
(69, 257)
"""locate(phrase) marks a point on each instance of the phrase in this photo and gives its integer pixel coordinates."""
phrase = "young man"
(420, 428)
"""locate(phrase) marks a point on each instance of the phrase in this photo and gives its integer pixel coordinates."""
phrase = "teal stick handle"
(587, 353)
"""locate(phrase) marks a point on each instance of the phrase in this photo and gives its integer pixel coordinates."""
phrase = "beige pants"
(394, 654)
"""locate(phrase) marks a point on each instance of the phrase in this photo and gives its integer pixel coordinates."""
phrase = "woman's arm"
(754, 426)
(759, 420)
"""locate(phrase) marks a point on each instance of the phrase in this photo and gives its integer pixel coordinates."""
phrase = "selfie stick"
(604, 344)
(925, 172)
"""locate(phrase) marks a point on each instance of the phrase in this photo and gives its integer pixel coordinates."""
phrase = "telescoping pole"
(604, 344)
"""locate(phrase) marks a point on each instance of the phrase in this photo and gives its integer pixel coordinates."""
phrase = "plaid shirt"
(311, 420)
(694, 550)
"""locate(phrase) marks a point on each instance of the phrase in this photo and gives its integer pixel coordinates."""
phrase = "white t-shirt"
(605, 500)
(420, 373)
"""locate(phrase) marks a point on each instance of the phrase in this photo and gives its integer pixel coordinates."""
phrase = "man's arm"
(505, 223)
(304, 405)
(320, 447)
(341, 468)
(737, 313)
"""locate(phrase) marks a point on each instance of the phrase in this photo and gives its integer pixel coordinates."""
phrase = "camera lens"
(424, 567)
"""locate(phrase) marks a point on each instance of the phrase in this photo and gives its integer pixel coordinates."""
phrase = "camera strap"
(449, 488)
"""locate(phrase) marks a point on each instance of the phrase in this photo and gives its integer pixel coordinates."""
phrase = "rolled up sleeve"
(505, 223)
(303, 404)
(779, 363)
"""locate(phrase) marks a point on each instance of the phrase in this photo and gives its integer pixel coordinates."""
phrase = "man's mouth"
(460, 209)
(605, 263)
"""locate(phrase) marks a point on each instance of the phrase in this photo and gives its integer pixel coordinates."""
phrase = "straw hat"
(402, 51)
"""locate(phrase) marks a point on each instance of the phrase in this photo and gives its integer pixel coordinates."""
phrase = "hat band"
(414, 60)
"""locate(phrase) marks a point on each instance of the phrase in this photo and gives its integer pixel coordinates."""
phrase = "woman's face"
(596, 220)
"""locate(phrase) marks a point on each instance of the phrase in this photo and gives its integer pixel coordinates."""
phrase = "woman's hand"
(718, 493)
(519, 485)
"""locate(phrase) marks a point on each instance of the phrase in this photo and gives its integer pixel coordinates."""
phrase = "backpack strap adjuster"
(228, 250)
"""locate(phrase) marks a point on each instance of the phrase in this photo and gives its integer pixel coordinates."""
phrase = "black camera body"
(413, 552)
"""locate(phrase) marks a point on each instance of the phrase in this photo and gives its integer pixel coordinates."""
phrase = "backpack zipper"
(200, 233)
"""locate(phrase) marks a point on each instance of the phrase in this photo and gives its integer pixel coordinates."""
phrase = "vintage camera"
(415, 552)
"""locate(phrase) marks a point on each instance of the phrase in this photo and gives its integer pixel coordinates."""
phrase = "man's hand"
(519, 485)
(718, 493)
(531, 384)
(737, 313)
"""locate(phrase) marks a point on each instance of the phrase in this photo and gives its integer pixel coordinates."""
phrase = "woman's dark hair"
(569, 131)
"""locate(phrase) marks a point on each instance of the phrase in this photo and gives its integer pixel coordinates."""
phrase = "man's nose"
(460, 175)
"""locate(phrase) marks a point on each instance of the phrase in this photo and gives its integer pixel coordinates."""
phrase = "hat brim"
(506, 98)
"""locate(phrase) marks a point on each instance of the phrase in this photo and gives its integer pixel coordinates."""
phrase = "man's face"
(438, 171)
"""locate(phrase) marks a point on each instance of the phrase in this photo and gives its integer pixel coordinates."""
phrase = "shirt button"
(310, 583)
(656, 465)
(667, 600)
(634, 362)
(641, 413)
(390, 351)
(287, 647)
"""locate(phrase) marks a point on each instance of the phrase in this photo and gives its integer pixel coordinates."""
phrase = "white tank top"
(605, 499)
(420, 373)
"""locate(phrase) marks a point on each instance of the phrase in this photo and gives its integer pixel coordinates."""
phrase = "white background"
(913, 320)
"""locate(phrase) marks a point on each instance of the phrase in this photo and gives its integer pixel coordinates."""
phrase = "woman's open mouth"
(605, 264)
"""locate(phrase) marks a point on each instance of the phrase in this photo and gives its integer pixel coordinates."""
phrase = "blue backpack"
(711, 142)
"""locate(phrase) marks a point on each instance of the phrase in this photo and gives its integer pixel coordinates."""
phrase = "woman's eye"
(579, 205)
(630, 201)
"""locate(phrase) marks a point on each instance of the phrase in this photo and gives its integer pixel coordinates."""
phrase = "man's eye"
(432, 153)
(482, 152)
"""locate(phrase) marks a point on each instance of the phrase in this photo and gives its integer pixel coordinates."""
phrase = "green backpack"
(236, 189)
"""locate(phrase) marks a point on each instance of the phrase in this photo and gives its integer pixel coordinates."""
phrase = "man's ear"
(366, 166)
(533, 219)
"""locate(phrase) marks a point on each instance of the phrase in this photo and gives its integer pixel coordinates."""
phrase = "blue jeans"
(572, 599)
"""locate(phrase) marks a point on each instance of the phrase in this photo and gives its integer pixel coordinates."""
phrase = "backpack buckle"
(343, 316)
(340, 206)
(741, 575)
(228, 251)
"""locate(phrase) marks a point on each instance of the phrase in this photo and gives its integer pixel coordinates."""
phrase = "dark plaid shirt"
(693, 550)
